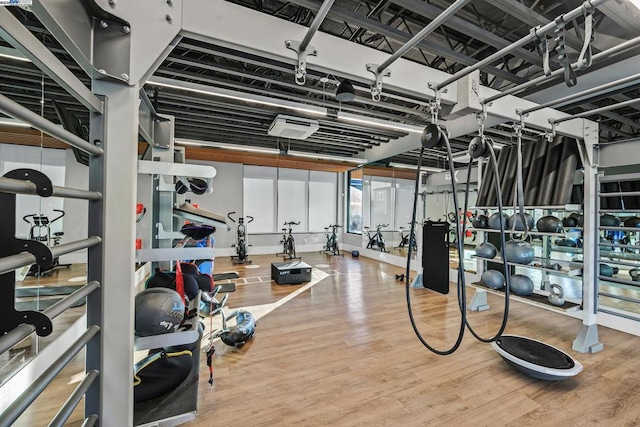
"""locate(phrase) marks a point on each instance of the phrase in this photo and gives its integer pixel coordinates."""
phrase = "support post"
(118, 136)
(587, 339)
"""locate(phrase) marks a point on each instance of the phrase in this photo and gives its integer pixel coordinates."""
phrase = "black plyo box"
(289, 273)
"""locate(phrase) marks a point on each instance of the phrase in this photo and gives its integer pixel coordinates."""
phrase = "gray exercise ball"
(516, 223)
(486, 250)
(519, 251)
(549, 224)
(608, 220)
(494, 221)
(492, 279)
(158, 311)
(520, 284)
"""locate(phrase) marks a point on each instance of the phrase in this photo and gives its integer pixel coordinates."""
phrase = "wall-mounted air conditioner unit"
(293, 127)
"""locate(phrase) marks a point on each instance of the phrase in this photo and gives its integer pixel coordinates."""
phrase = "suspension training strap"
(584, 60)
(543, 45)
(570, 77)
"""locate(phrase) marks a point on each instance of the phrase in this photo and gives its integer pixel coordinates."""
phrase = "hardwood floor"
(343, 353)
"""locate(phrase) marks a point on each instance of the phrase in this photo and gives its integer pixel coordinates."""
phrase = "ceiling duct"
(292, 127)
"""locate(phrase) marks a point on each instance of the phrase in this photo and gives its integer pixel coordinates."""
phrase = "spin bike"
(404, 240)
(241, 245)
(40, 231)
(332, 240)
(376, 242)
(288, 242)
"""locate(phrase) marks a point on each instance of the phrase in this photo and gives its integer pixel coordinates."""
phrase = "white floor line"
(259, 311)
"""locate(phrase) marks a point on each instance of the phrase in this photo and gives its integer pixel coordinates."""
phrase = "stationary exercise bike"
(40, 231)
(288, 242)
(376, 242)
(241, 245)
(405, 241)
(332, 240)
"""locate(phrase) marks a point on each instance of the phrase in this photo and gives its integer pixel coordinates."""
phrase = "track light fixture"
(345, 92)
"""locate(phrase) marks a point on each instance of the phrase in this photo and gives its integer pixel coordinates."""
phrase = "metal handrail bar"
(17, 186)
(11, 262)
(22, 331)
(32, 392)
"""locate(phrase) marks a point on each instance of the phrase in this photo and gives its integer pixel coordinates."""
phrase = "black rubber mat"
(225, 276)
(46, 291)
(227, 287)
(43, 305)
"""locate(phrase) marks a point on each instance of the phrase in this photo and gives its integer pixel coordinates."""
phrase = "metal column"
(587, 339)
(118, 134)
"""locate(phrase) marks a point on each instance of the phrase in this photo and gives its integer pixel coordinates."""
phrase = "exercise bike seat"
(58, 233)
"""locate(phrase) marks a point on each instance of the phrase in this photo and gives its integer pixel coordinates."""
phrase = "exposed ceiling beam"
(623, 14)
(465, 27)
(532, 18)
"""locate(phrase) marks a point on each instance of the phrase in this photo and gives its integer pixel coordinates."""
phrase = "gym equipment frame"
(114, 105)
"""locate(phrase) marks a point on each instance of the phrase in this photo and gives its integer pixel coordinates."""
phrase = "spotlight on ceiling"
(345, 92)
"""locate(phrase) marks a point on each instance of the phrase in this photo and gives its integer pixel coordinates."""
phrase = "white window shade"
(323, 189)
(292, 198)
(259, 197)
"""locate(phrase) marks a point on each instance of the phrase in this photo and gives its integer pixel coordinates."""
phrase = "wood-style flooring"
(343, 353)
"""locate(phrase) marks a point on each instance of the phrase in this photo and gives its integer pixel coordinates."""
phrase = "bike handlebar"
(62, 213)
(251, 220)
(229, 216)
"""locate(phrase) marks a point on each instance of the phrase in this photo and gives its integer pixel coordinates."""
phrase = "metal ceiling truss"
(243, 67)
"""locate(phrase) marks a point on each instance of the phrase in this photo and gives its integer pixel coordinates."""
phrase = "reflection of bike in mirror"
(376, 241)
(404, 240)
(40, 231)
(332, 239)
(241, 245)
(288, 242)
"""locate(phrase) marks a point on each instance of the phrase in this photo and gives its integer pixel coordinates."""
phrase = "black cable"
(460, 229)
(408, 283)
(505, 315)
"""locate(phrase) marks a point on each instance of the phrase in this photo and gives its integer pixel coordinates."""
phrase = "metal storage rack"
(624, 255)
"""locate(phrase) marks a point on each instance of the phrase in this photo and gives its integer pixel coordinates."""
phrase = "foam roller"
(550, 172)
(527, 154)
(487, 179)
(503, 157)
(509, 178)
(612, 202)
(566, 173)
(536, 166)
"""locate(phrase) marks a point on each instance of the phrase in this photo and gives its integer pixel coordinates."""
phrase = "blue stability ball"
(355, 254)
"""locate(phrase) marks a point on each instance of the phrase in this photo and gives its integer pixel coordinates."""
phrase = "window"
(404, 202)
(323, 194)
(382, 202)
(259, 197)
(274, 196)
(292, 198)
(355, 193)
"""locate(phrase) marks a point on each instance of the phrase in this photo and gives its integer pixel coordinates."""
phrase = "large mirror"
(381, 202)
